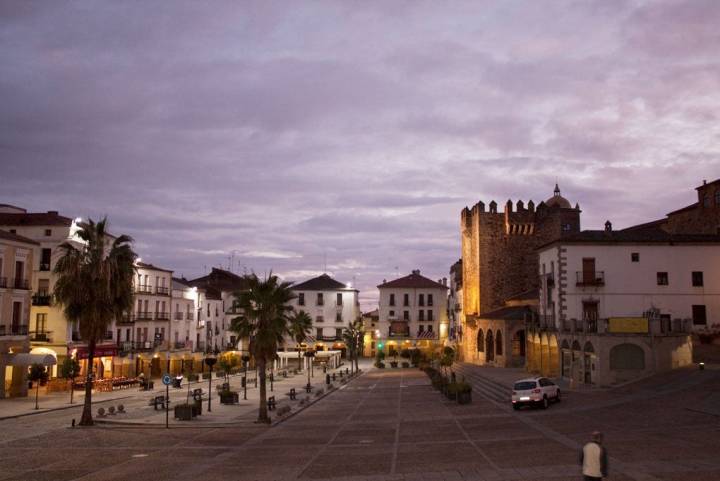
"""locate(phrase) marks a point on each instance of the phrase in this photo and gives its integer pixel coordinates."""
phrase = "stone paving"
(390, 425)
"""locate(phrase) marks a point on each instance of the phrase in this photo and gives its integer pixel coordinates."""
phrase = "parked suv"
(537, 391)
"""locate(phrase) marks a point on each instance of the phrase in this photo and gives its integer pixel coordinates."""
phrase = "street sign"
(166, 379)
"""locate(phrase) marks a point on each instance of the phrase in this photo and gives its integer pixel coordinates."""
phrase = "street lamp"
(310, 354)
(245, 360)
(210, 360)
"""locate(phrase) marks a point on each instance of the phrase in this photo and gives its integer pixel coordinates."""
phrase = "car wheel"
(545, 402)
(557, 396)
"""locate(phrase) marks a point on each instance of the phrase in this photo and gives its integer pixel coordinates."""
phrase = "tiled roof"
(689, 207)
(320, 283)
(529, 295)
(510, 313)
(649, 235)
(145, 265)
(220, 279)
(16, 238)
(34, 219)
(413, 281)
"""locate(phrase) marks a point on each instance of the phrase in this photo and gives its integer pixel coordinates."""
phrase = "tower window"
(635, 257)
(662, 279)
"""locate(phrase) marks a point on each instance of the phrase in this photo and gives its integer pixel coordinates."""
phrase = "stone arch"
(489, 346)
(576, 346)
(565, 344)
(588, 347)
(544, 355)
(627, 356)
(518, 343)
(554, 353)
(480, 341)
(499, 343)
(534, 347)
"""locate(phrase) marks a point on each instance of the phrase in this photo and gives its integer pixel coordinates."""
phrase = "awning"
(100, 351)
(26, 359)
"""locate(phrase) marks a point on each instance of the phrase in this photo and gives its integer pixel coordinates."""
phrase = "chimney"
(384, 281)
(52, 212)
(416, 272)
(608, 226)
(444, 282)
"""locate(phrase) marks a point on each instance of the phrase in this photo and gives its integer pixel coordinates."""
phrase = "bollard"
(327, 379)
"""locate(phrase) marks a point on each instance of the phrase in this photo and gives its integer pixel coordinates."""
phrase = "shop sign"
(628, 325)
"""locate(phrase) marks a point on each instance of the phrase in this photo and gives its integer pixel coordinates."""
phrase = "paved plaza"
(391, 425)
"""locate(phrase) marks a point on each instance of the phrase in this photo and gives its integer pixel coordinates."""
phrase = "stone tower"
(499, 255)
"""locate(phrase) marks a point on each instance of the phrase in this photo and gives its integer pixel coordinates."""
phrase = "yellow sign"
(629, 325)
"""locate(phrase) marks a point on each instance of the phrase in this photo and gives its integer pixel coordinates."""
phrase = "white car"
(536, 391)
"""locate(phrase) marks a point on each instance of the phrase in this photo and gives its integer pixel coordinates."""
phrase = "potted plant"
(229, 397)
(405, 354)
(184, 412)
(451, 391)
(69, 369)
(464, 392)
(379, 359)
(38, 374)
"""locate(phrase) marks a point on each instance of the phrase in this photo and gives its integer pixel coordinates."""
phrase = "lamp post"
(210, 360)
(245, 360)
(310, 354)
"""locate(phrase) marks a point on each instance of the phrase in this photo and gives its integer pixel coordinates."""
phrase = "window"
(338, 317)
(208, 309)
(566, 227)
(430, 328)
(319, 319)
(430, 315)
(590, 311)
(421, 328)
(635, 257)
(40, 323)
(421, 299)
(406, 315)
(320, 299)
(392, 299)
(697, 279)
(662, 279)
(338, 301)
(338, 333)
(706, 201)
(430, 300)
(421, 315)
(48, 232)
(318, 333)
(392, 313)
(406, 299)
(699, 314)
(45, 259)
(717, 197)
(301, 299)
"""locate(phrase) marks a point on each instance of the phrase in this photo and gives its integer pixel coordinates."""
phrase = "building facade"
(617, 305)
(331, 305)
(412, 313)
(17, 256)
(499, 257)
(455, 303)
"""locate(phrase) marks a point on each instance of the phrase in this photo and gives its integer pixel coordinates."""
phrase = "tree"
(447, 358)
(69, 369)
(227, 362)
(299, 328)
(94, 286)
(37, 374)
(353, 338)
(264, 323)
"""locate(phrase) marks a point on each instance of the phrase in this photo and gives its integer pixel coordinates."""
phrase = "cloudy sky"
(347, 136)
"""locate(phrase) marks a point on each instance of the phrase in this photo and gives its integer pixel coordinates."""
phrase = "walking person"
(593, 459)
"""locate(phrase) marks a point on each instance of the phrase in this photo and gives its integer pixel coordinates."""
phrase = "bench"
(271, 403)
(198, 394)
(147, 385)
(157, 401)
(292, 394)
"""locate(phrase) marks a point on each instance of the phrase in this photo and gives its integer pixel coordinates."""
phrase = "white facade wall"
(631, 288)
(184, 318)
(325, 316)
(389, 312)
(152, 310)
(211, 317)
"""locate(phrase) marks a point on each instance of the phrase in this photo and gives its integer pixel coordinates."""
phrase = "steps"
(484, 386)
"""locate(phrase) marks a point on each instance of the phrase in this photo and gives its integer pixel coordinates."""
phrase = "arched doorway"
(554, 354)
(480, 341)
(627, 357)
(489, 347)
(544, 355)
(518, 343)
(566, 358)
(499, 343)
(588, 363)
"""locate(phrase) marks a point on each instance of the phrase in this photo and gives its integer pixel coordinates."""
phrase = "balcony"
(41, 298)
(550, 279)
(19, 283)
(179, 345)
(13, 330)
(178, 316)
(162, 291)
(42, 336)
(190, 316)
(590, 278)
(200, 347)
(44, 266)
(144, 289)
(144, 316)
(75, 337)
(162, 316)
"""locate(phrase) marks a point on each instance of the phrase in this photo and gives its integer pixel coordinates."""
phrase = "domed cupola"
(558, 200)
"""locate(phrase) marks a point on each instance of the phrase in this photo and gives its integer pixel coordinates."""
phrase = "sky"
(346, 137)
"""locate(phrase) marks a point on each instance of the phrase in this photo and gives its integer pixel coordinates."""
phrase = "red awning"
(100, 351)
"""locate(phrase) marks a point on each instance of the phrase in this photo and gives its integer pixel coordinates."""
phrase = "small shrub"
(121, 408)
(406, 364)
(380, 365)
(219, 373)
(206, 375)
(101, 412)
(111, 410)
(192, 377)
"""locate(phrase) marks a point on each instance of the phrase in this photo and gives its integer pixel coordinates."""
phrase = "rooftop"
(320, 283)
(4, 235)
(220, 279)
(151, 267)
(412, 281)
(652, 234)
(49, 218)
(508, 313)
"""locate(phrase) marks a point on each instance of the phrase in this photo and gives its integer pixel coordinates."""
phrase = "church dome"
(558, 200)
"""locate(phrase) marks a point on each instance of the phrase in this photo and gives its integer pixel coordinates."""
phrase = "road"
(390, 425)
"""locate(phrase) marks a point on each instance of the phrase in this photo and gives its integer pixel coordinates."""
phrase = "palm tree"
(264, 323)
(94, 286)
(299, 328)
(353, 338)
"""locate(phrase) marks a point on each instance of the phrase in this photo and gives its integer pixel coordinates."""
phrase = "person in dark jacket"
(593, 459)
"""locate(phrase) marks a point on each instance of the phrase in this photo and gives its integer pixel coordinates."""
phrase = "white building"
(413, 312)
(623, 302)
(332, 305)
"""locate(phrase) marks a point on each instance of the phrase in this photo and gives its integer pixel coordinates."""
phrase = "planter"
(184, 412)
(405, 365)
(393, 364)
(197, 408)
(451, 394)
(229, 397)
(464, 397)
